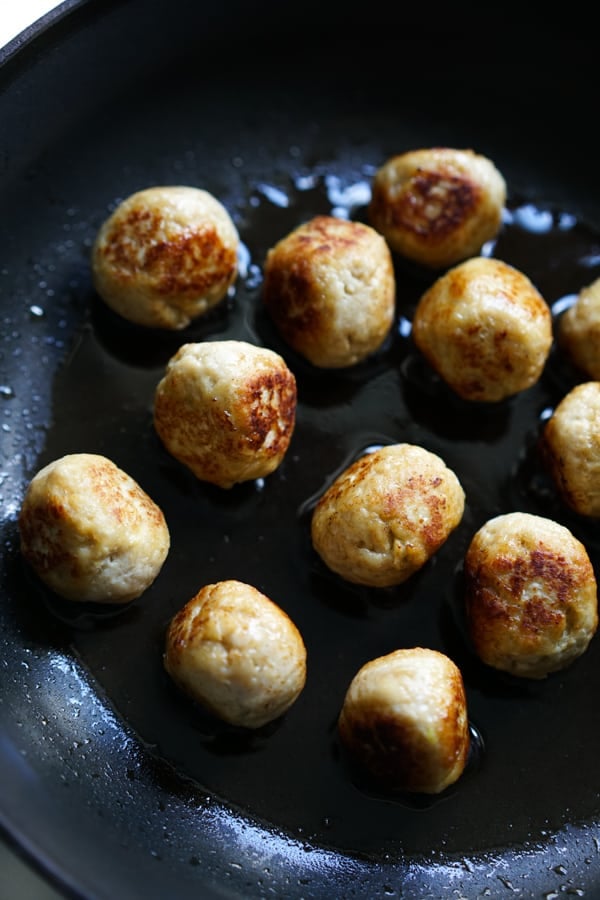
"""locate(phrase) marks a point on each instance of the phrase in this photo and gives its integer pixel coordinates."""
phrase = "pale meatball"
(165, 256)
(237, 654)
(531, 599)
(329, 289)
(485, 329)
(90, 532)
(384, 517)
(404, 721)
(571, 448)
(579, 331)
(437, 206)
(226, 410)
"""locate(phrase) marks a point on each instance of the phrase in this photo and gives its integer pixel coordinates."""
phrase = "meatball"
(531, 600)
(226, 410)
(386, 515)
(485, 329)
(579, 331)
(437, 206)
(404, 721)
(165, 256)
(237, 654)
(90, 532)
(570, 447)
(329, 289)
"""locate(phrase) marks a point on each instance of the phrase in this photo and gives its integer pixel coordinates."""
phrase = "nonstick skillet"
(112, 784)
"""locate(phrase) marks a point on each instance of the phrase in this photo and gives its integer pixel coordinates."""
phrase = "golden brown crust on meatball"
(531, 598)
(579, 331)
(226, 410)
(570, 447)
(329, 288)
(90, 532)
(237, 653)
(485, 329)
(386, 515)
(165, 256)
(437, 206)
(404, 721)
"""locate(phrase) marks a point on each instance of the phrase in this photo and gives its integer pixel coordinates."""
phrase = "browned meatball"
(404, 721)
(329, 288)
(485, 329)
(237, 653)
(90, 532)
(226, 410)
(437, 206)
(571, 448)
(165, 256)
(531, 599)
(386, 515)
(579, 331)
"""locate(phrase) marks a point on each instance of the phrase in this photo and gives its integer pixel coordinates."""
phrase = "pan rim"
(580, 836)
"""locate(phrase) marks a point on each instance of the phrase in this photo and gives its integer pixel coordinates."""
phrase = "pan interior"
(277, 147)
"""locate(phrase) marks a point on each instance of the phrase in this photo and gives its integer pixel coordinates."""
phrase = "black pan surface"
(112, 783)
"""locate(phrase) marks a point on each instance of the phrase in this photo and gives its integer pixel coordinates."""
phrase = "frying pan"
(113, 785)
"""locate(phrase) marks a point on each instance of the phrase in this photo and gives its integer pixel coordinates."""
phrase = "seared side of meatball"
(236, 653)
(439, 205)
(90, 532)
(165, 256)
(485, 329)
(570, 446)
(226, 410)
(386, 515)
(531, 597)
(404, 721)
(329, 288)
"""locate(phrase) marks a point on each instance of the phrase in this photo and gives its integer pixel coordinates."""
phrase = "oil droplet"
(537, 221)
(476, 749)
(243, 260)
(275, 195)
(566, 221)
(306, 182)
(563, 303)
(253, 277)
(404, 327)
(345, 199)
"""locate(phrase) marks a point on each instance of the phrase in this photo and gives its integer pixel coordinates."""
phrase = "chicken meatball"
(237, 654)
(404, 721)
(485, 329)
(165, 256)
(571, 448)
(329, 289)
(531, 599)
(579, 331)
(384, 517)
(226, 410)
(437, 206)
(90, 532)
